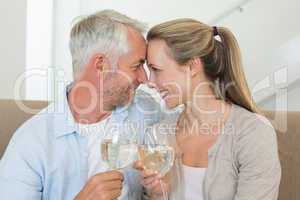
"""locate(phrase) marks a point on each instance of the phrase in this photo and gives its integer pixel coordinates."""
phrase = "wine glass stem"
(165, 193)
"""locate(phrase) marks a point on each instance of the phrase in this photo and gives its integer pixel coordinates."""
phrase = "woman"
(228, 151)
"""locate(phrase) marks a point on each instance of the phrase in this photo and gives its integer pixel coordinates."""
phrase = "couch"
(286, 124)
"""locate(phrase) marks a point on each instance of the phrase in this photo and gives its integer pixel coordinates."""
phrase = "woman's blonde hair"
(189, 38)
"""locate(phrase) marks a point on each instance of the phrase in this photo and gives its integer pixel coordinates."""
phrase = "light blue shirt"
(47, 158)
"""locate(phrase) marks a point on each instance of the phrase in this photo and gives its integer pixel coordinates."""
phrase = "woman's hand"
(152, 181)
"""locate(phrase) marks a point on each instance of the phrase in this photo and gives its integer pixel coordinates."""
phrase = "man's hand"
(102, 186)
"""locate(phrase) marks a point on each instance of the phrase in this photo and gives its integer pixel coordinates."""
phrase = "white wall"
(268, 32)
(151, 12)
(65, 13)
(284, 99)
(38, 48)
(25, 38)
(12, 44)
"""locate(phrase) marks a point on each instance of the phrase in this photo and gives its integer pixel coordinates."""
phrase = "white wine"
(118, 155)
(157, 158)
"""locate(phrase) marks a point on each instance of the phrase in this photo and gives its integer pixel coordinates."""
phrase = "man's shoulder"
(38, 127)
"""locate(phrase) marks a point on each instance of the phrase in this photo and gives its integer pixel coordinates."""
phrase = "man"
(52, 156)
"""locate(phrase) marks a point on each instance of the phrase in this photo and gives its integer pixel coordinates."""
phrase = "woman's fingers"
(138, 165)
(148, 180)
(157, 186)
(148, 173)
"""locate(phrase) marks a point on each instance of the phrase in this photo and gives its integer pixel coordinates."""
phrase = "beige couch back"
(11, 117)
(287, 126)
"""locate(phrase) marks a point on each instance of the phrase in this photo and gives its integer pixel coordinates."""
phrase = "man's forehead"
(133, 34)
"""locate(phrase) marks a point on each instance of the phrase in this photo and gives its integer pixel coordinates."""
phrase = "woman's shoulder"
(255, 143)
(248, 124)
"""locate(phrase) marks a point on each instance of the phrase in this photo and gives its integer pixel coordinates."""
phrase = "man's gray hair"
(103, 32)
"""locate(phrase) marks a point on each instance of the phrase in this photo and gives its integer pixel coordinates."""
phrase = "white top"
(193, 179)
(94, 133)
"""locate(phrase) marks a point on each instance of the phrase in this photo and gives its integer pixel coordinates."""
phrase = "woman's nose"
(151, 77)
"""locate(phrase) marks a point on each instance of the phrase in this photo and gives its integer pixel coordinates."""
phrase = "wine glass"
(118, 154)
(157, 153)
(119, 151)
(157, 157)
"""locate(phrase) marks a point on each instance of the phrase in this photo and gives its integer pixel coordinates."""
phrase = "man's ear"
(196, 66)
(99, 63)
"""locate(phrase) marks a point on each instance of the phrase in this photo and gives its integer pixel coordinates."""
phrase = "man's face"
(130, 72)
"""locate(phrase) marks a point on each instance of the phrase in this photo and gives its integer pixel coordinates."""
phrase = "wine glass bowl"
(118, 154)
(158, 158)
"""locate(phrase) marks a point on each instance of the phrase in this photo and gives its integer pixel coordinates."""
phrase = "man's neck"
(84, 109)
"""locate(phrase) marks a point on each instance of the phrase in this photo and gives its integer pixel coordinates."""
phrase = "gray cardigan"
(243, 164)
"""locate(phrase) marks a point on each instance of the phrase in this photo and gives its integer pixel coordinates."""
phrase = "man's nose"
(142, 76)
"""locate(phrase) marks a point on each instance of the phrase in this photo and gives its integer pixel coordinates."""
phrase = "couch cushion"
(287, 126)
(12, 116)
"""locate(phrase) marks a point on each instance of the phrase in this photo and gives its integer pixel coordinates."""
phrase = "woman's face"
(171, 78)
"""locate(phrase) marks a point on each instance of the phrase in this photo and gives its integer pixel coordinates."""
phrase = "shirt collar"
(63, 121)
